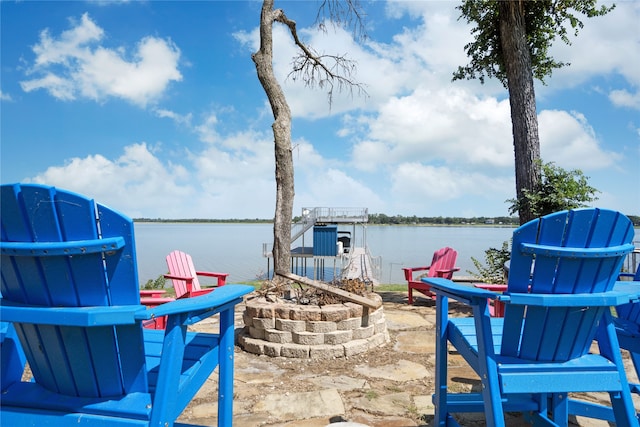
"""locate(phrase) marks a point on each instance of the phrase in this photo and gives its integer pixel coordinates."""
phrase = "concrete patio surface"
(388, 386)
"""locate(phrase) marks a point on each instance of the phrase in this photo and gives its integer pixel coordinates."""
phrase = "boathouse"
(331, 243)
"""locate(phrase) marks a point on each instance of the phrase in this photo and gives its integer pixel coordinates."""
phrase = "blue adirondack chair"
(70, 288)
(560, 289)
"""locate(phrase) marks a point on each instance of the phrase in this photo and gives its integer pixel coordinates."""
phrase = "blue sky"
(154, 108)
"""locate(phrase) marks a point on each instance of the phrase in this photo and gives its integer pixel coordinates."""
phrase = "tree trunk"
(282, 140)
(524, 119)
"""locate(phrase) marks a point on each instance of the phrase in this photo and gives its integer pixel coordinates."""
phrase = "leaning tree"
(512, 41)
(316, 69)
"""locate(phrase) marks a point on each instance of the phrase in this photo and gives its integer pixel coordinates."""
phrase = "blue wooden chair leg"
(225, 379)
(169, 370)
(440, 396)
(559, 407)
(621, 403)
(490, 384)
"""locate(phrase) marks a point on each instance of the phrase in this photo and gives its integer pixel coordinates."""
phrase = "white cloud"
(442, 183)
(419, 187)
(181, 119)
(448, 125)
(607, 45)
(568, 140)
(208, 184)
(145, 186)
(5, 96)
(207, 129)
(334, 187)
(624, 98)
(57, 86)
(75, 65)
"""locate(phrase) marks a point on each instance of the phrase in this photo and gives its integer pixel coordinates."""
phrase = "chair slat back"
(181, 264)
(443, 259)
(78, 361)
(562, 333)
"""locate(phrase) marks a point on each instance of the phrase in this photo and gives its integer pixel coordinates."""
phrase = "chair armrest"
(633, 288)
(211, 274)
(69, 316)
(188, 281)
(462, 293)
(416, 268)
(596, 299)
(408, 272)
(623, 293)
(199, 307)
(222, 277)
(151, 293)
(448, 270)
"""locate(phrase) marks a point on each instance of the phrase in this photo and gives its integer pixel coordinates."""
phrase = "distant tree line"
(383, 219)
(200, 220)
(379, 219)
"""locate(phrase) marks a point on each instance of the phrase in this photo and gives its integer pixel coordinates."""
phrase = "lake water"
(237, 248)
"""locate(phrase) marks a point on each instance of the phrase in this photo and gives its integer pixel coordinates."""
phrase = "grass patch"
(398, 287)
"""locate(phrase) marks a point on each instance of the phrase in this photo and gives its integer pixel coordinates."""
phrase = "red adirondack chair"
(442, 265)
(185, 277)
(152, 299)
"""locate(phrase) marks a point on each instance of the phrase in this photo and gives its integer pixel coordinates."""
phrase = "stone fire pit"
(287, 329)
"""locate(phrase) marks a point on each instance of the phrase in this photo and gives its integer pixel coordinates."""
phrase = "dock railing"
(312, 216)
(334, 215)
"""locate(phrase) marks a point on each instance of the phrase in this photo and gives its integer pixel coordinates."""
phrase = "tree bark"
(524, 119)
(263, 60)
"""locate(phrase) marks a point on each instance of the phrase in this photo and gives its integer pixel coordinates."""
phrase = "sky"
(154, 108)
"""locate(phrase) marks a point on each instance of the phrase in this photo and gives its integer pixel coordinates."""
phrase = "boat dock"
(361, 265)
(339, 248)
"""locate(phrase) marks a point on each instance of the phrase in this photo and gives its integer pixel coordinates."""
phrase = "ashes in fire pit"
(297, 293)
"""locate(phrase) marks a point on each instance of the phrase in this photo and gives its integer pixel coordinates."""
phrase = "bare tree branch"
(343, 13)
(321, 70)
